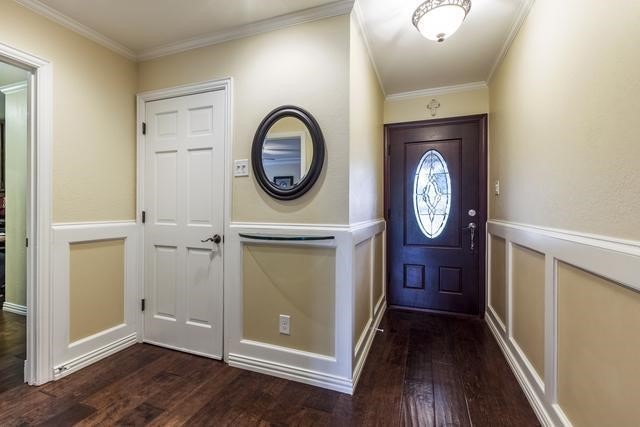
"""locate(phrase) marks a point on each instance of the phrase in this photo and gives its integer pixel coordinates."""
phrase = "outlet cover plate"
(285, 324)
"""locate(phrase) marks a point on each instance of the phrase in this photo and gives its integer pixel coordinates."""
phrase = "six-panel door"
(184, 188)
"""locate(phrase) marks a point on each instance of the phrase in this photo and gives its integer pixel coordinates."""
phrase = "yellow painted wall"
(528, 273)
(304, 65)
(451, 105)
(294, 281)
(498, 278)
(366, 140)
(598, 348)
(563, 121)
(16, 186)
(93, 121)
(96, 287)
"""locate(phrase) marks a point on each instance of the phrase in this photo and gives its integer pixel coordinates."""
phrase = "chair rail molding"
(338, 372)
(616, 260)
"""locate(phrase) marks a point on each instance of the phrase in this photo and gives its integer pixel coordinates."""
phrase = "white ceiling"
(405, 61)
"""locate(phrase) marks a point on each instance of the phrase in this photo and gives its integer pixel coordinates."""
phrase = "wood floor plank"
(423, 370)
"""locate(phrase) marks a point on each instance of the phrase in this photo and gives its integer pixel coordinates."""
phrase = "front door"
(436, 214)
(184, 194)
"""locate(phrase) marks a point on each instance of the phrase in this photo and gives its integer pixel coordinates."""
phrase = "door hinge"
(144, 128)
(142, 304)
(26, 243)
(144, 217)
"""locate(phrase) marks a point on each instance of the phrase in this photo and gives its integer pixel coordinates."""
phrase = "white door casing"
(184, 205)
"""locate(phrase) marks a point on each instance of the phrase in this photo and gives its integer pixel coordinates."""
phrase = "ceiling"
(405, 61)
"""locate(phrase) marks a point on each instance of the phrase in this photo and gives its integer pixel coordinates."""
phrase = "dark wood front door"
(436, 214)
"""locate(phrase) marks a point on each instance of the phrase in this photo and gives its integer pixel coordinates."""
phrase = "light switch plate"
(241, 167)
(496, 187)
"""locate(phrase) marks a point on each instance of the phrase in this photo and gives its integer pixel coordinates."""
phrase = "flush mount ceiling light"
(439, 19)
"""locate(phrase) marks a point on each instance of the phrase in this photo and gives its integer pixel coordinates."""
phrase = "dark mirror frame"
(317, 162)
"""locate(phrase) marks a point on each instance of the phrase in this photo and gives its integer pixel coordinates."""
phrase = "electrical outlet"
(241, 167)
(496, 187)
(285, 324)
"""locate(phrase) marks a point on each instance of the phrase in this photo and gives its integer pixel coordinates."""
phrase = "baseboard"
(537, 403)
(319, 379)
(93, 356)
(367, 345)
(14, 308)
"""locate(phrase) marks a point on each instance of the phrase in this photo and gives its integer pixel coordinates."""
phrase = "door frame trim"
(226, 85)
(481, 120)
(39, 363)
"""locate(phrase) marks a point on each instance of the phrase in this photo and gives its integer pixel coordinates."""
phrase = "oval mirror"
(288, 152)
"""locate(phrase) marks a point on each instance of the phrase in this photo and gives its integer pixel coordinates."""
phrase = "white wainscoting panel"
(613, 259)
(335, 373)
(71, 356)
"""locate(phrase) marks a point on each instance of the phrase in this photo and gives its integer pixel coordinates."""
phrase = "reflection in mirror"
(287, 151)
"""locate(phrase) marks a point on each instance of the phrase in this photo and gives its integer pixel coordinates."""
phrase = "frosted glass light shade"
(439, 19)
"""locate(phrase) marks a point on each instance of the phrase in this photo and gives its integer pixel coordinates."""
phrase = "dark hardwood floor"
(423, 370)
(13, 341)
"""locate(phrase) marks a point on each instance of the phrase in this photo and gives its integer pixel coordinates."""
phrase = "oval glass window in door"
(432, 194)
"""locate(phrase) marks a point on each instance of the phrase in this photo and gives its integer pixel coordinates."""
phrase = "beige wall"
(528, 271)
(563, 120)
(451, 105)
(93, 120)
(362, 292)
(294, 281)
(498, 283)
(16, 186)
(366, 106)
(598, 348)
(96, 289)
(304, 65)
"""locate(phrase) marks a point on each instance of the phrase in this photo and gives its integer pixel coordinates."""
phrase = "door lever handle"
(215, 239)
(472, 227)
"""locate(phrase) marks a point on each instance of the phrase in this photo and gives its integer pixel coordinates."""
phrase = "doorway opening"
(14, 184)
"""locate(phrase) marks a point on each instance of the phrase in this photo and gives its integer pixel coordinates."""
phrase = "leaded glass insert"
(432, 194)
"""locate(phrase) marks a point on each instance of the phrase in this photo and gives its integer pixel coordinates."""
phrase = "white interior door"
(184, 198)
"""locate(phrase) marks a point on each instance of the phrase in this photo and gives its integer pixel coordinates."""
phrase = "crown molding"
(336, 8)
(465, 87)
(357, 10)
(73, 25)
(13, 87)
(525, 8)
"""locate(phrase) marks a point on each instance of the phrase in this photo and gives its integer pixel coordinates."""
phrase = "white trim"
(38, 366)
(225, 85)
(525, 8)
(614, 259)
(73, 25)
(538, 406)
(291, 363)
(94, 356)
(14, 308)
(69, 356)
(14, 87)
(336, 8)
(306, 376)
(357, 10)
(465, 87)
(370, 335)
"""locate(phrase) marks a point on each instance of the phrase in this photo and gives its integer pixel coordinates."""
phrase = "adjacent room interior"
(14, 101)
(319, 212)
